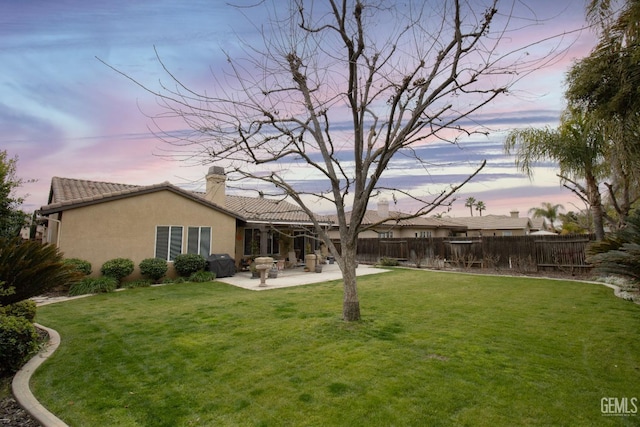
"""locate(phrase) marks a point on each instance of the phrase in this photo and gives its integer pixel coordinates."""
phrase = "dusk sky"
(64, 113)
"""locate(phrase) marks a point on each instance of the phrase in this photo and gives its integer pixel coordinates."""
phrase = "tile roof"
(372, 217)
(70, 193)
(493, 222)
(538, 224)
(260, 209)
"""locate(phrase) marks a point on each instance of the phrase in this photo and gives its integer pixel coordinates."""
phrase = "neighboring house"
(384, 224)
(540, 224)
(98, 221)
(495, 225)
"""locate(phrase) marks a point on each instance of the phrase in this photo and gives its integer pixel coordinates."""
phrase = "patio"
(295, 277)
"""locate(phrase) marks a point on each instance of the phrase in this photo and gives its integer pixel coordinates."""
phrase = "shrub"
(619, 252)
(29, 268)
(25, 308)
(187, 264)
(140, 283)
(118, 268)
(153, 268)
(18, 340)
(170, 281)
(80, 265)
(389, 262)
(92, 285)
(202, 276)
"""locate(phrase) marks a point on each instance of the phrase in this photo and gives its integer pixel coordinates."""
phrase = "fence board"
(520, 253)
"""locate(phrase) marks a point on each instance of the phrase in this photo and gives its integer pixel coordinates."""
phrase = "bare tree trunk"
(350, 301)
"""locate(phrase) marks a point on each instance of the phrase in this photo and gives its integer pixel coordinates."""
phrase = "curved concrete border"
(20, 385)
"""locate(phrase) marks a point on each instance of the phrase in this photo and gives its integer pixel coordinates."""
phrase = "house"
(274, 227)
(98, 221)
(385, 224)
(495, 225)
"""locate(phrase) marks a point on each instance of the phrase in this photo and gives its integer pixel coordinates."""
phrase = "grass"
(433, 349)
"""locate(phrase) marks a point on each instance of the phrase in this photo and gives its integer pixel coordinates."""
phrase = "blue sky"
(64, 113)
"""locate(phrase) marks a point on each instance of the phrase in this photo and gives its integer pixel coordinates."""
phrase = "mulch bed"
(12, 415)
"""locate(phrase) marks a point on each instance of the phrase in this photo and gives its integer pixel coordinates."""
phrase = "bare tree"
(342, 88)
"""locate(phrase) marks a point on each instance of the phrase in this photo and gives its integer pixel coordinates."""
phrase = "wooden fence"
(518, 253)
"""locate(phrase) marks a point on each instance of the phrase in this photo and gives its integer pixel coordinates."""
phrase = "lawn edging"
(20, 385)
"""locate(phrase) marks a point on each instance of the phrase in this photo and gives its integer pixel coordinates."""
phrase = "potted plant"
(255, 274)
(273, 272)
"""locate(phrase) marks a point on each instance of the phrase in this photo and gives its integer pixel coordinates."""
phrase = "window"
(385, 235)
(252, 237)
(424, 234)
(507, 233)
(251, 241)
(273, 243)
(199, 241)
(168, 242)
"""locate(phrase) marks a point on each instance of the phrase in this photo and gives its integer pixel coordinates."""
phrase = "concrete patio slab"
(295, 277)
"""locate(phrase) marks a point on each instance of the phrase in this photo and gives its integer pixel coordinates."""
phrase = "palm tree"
(579, 147)
(470, 203)
(480, 206)
(547, 211)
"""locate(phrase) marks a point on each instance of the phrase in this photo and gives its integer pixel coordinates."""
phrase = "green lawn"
(433, 349)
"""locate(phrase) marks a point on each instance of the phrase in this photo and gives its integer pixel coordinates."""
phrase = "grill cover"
(221, 264)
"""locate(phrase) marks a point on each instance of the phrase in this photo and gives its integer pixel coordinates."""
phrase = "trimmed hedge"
(18, 341)
(153, 268)
(24, 308)
(118, 268)
(79, 265)
(187, 264)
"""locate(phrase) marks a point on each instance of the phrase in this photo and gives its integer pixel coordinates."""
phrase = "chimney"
(383, 208)
(515, 214)
(216, 180)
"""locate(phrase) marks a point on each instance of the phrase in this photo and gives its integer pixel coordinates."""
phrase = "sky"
(65, 113)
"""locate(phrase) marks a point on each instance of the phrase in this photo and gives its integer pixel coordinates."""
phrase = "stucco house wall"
(126, 227)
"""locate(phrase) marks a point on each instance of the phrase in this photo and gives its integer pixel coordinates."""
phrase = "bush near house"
(26, 309)
(187, 264)
(18, 341)
(153, 268)
(80, 265)
(94, 285)
(389, 262)
(118, 268)
(202, 276)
